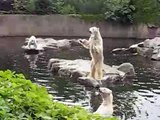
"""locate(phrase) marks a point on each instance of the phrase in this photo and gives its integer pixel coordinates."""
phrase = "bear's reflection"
(32, 59)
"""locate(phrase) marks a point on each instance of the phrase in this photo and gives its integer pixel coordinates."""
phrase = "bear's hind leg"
(99, 71)
(93, 70)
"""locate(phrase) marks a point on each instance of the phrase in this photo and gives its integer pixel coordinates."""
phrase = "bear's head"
(32, 42)
(32, 38)
(93, 30)
(105, 93)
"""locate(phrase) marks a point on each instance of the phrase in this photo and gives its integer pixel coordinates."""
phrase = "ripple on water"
(137, 102)
(156, 91)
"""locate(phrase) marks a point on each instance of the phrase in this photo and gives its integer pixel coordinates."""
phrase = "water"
(139, 101)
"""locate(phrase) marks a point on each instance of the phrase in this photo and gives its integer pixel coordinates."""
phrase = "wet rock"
(89, 82)
(42, 43)
(60, 44)
(78, 71)
(156, 57)
(150, 48)
(126, 68)
(122, 51)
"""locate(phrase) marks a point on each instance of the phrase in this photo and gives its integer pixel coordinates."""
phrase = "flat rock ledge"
(78, 70)
(150, 48)
(43, 43)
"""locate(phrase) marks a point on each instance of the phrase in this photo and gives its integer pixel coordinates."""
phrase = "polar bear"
(32, 42)
(95, 46)
(106, 107)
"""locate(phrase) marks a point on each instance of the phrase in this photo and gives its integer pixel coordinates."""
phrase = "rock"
(42, 43)
(61, 44)
(122, 51)
(150, 48)
(126, 68)
(78, 70)
(156, 56)
(88, 82)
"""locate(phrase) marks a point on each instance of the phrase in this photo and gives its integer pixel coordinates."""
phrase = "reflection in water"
(32, 60)
(139, 101)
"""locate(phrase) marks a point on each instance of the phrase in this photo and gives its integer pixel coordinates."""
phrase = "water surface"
(139, 101)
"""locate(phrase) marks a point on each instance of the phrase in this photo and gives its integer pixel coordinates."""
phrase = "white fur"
(95, 46)
(106, 107)
(96, 52)
(32, 42)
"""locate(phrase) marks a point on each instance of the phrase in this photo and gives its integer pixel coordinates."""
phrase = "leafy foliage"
(20, 99)
(87, 6)
(119, 10)
(147, 11)
(124, 11)
(34, 6)
(44, 7)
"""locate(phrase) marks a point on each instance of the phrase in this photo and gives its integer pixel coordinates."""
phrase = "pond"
(138, 101)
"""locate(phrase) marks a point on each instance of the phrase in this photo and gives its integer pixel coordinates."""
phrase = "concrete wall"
(59, 25)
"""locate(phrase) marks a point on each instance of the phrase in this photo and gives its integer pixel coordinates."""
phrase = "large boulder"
(127, 68)
(61, 44)
(42, 43)
(150, 48)
(78, 71)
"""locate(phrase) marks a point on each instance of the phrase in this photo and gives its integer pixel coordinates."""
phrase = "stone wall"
(65, 26)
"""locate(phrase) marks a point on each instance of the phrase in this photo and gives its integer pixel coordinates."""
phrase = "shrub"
(30, 6)
(67, 9)
(64, 8)
(34, 6)
(20, 99)
(19, 5)
(87, 6)
(119, 11)
(124, 11)
(147, 11)
(44, 7)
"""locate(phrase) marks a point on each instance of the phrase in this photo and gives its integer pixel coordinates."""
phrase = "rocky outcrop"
(150, 48)
(43, 43)
(78, 70)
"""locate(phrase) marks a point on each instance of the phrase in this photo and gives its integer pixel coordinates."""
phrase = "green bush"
(147, 11)
(20, 5)
(124, 11)
(67, 9)
(20, 99)
(34, 6)
(87, 6)
(119, 10)
(44, 7)
(113, 10)
(30, 6)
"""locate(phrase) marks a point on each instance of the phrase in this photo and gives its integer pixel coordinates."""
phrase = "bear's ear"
(97, 28)
(27, 39)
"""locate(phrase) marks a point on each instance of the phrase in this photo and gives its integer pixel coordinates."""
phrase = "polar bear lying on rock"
(33, 44)
(95, 46)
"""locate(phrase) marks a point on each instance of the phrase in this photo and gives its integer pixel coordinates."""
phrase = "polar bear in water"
(95, 46)
(106, 107)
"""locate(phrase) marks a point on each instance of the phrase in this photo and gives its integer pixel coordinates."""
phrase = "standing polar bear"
(95, 46)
